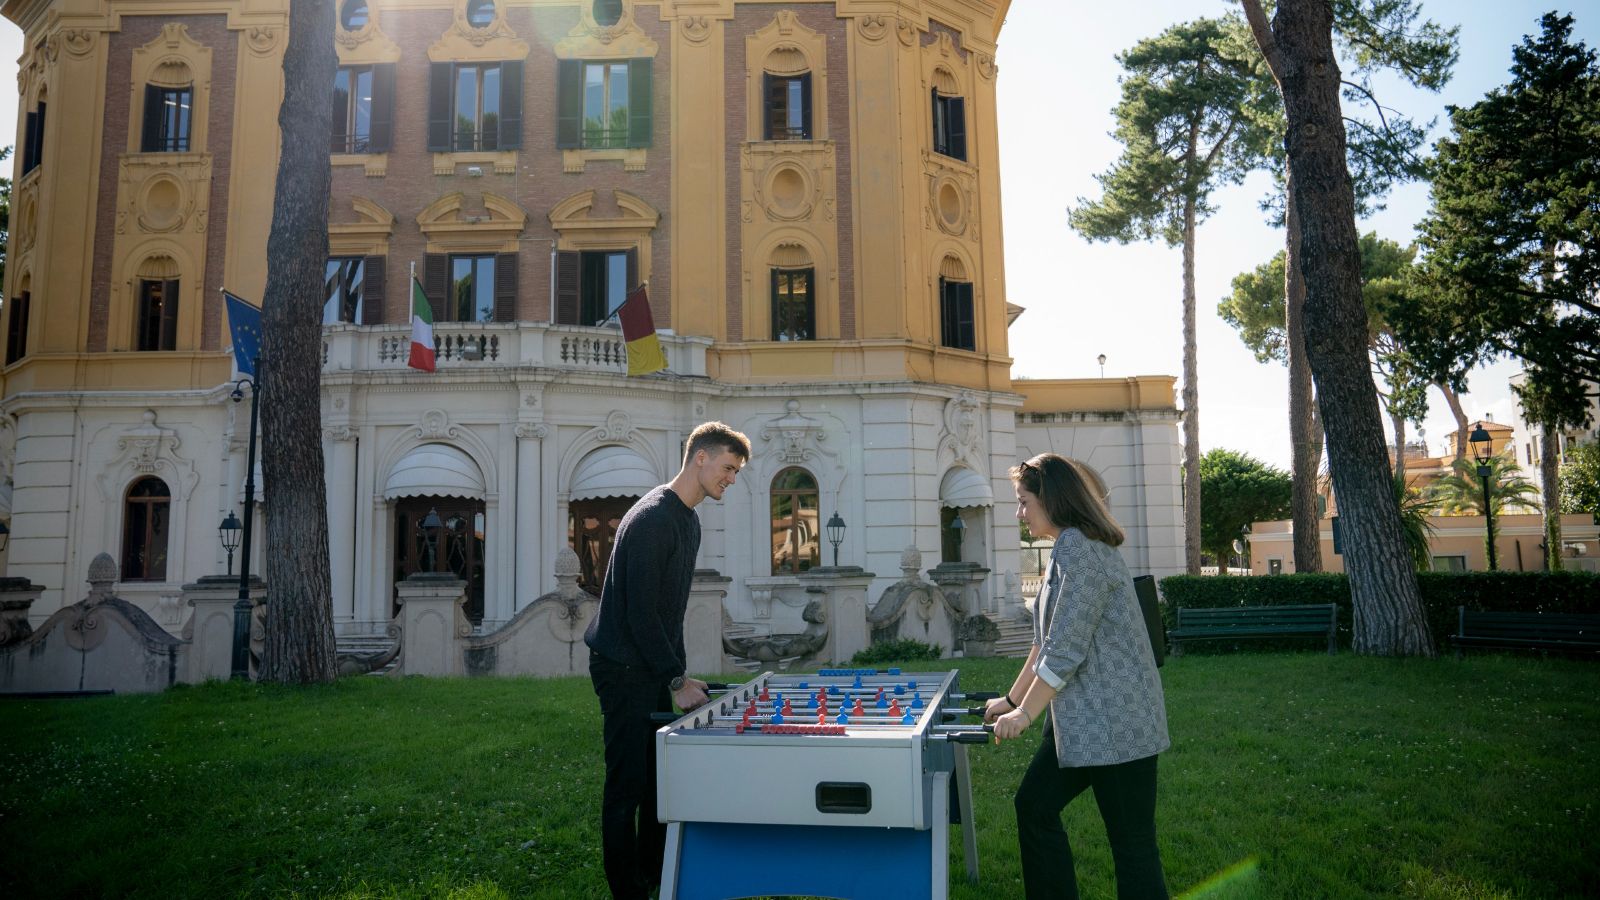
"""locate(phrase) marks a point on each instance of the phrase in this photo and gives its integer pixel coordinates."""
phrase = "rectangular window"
(342, 288)
(603, 284)
(352, 110)
(156, 325)
(476, 108)
(168, 118)
(1449, 563)
(33, 140)
(788, 107)
(471, 296)
(794, 312)
(949, 126)
(1274, 567)
(605, 105)
(17, 328)
(955, 315)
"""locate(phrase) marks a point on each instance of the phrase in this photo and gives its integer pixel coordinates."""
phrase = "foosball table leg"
(939, 825)
(669, 862)
(969, 826)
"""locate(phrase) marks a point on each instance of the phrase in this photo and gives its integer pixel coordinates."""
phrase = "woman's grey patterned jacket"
(1095, 651)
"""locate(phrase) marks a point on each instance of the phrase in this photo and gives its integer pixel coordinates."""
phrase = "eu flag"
(244, 321)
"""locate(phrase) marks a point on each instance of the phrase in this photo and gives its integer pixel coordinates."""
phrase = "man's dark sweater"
(646, 590)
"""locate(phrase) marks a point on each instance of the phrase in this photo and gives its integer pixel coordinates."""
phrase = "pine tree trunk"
(1399, 423)
(1191, 403)
(1383, 584)
(1550, 484)
(1305, 426)
(299, 644)
(1454, 402)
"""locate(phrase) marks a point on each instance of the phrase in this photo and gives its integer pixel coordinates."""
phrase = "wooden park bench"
(1526, 630)
(1238, 622)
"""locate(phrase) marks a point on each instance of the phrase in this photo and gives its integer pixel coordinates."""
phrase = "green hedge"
(1571, 592)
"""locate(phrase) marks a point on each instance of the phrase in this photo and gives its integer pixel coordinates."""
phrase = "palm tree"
(1414, 509)
(1461, 492)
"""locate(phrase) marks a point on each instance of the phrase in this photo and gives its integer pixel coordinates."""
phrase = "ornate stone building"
(811, 192)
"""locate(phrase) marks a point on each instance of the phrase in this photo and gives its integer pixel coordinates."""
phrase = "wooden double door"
(456, 546)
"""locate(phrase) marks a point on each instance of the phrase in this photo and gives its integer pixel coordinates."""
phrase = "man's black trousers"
(631, 837)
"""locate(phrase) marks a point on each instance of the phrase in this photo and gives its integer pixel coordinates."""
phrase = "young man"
(636, 655)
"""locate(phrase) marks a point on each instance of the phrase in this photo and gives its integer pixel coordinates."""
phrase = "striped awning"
(963, 487)
(613, 471)
(435, 470)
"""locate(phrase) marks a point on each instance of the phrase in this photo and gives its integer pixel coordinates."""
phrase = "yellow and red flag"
(639, 331)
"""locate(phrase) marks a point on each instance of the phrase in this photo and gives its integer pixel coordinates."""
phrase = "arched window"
(956, 319)
(786, 89)
(480, 13)
(145, 519)
(796, 527)
(949, 116)
(156, 318)
(353, 15)
(794, 293)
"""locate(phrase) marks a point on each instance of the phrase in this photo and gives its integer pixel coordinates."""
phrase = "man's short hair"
(715, 436)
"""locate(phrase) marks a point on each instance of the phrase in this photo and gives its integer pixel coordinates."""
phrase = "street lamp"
(229, 531)
(958, 529)
(1102, 359)
(835, 528)
(1481, 451)
(430, 536)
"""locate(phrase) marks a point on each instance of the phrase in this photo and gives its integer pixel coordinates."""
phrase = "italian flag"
(421, 329)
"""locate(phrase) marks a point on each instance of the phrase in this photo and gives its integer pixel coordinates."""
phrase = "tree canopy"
(1512, 240)
(1580, 480)
(1235, 490)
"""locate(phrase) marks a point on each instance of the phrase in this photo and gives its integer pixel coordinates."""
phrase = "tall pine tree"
(1192, 118)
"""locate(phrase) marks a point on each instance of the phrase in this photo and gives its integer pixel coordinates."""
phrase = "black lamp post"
(229, 531)
(1102, 359)
(1481, 451)
(5, 535)
(430, 536)
(835, 528)
(958, 529)
(242, 606)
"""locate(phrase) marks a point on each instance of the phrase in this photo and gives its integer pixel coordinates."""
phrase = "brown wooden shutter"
(810, 130)
(511, 104)
(569, 104)
(769, 104)
(567, 287)
(957, 110)
(30, 136)
(374, 284)
(633, 270)
(169, 315)
(436, 284)
(640, 94)
(505, 287)
(440, 76)
(382, 136)
(150, 139)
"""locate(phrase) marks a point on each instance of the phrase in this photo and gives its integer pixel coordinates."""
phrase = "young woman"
(1091, 668)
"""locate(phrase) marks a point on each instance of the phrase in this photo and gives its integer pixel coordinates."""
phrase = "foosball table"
(839, 784)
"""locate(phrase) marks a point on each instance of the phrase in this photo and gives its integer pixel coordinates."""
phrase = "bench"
(1526, 630)
(1235, 622)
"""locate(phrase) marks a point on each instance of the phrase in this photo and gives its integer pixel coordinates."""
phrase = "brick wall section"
(821, 18)
(409, 184)
(137, 31)
(224, 46)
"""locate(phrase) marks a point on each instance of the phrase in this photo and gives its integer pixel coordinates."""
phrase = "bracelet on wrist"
(1013, 703)
(1026, 713)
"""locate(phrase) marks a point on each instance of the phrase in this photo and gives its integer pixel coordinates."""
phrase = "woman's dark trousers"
(1126, 794)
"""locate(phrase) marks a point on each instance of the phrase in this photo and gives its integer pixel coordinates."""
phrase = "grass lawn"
(1291, 775)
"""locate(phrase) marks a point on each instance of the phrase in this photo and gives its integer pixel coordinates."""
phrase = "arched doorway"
(455, 546)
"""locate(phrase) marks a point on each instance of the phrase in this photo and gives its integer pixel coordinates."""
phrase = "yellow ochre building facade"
(810, 191)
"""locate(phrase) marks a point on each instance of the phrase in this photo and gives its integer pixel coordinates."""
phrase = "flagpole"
(411, 294)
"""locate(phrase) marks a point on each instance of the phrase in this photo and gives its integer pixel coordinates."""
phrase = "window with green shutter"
(603, 104)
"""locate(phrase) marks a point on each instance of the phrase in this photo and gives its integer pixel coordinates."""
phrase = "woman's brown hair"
(1072, 493)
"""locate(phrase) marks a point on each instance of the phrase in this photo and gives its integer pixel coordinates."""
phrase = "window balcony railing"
(463, 346)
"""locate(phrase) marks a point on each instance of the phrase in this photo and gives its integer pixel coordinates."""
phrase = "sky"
(1057, 86)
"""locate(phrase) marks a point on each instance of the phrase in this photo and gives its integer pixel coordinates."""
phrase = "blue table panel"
(720, 861)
